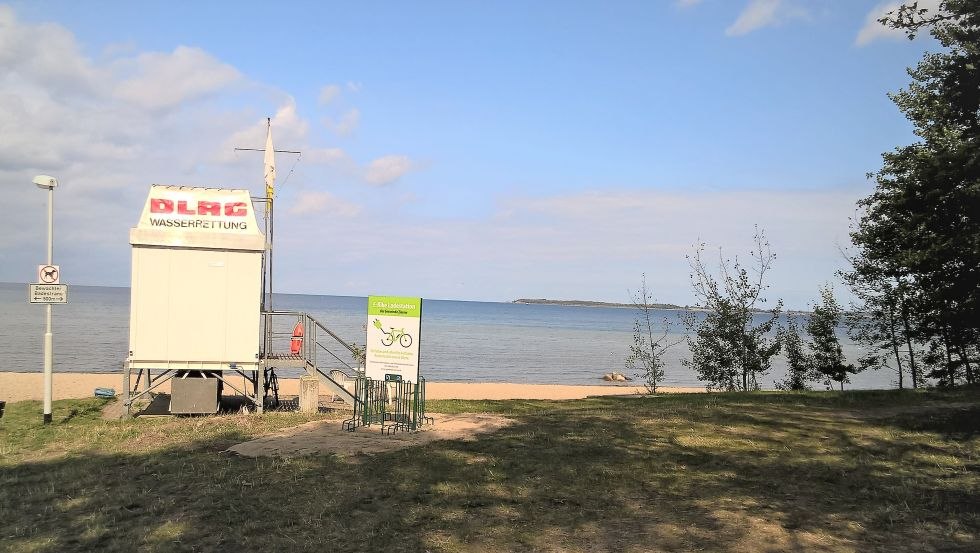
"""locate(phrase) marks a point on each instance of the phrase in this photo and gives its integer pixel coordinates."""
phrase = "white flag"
(270, 164)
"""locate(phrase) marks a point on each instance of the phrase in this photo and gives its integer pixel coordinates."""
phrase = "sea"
(461, 341)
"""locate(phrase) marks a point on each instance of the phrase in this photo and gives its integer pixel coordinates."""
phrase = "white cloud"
(323, 203)
(125, 48)
(353, 86)
(328, 94)
(336, 164)
(346, 125)
(289, 132)
(687, 3)
(873, 30)
(328, 156)
(165, 80)
(590, 244)
(758, 14)
(107, 127)
(764, 13)
(387, 169)
(61, 117)
(53, 64)
(652, 230)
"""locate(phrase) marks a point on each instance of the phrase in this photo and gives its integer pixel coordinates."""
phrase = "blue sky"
(460, 150)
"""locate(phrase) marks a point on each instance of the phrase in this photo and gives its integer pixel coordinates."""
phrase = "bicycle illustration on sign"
(390, 336)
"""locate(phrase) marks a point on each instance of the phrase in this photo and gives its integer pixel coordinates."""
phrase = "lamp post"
(45, 181)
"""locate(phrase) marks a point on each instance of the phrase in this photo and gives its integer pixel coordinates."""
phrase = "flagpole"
(262, 301)
(270, 179)
(270, 226)
(267, 260)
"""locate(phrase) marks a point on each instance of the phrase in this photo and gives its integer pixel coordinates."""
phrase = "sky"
(462, 150)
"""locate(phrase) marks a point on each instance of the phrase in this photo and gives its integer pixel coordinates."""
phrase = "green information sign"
(393, 338)
(395, 306)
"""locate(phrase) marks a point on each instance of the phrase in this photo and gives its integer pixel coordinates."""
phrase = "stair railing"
(319, 342)
(320, 337)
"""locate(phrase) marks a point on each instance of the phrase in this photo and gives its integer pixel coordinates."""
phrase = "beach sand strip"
(18, 386)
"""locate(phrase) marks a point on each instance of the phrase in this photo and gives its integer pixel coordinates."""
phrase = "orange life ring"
(296, 343)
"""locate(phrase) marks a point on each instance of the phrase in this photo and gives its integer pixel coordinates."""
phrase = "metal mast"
(270, 181)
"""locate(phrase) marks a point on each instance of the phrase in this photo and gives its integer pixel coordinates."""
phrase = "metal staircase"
(322, 354)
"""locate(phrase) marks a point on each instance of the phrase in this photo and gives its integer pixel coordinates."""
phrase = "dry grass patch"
(760, 472)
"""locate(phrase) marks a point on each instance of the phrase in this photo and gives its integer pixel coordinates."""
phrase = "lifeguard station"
(201, 314)
(196, 313)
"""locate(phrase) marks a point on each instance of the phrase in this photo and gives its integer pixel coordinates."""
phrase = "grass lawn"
(854, 471)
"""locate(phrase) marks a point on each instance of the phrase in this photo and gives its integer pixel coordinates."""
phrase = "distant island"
(586, 303)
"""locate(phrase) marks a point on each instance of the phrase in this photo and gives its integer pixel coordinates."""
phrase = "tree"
(877, 321)
(799, 362)
(729, 347)
(920, 229)
(646, 356)
(826, 353)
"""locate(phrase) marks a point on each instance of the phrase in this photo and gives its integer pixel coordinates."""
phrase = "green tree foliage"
(826, 355)
(646, 358)
(731, 347)
(799, 363)
(920, 230)
(880, 321)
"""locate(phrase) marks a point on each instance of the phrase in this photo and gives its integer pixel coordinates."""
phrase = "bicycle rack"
(395, 404)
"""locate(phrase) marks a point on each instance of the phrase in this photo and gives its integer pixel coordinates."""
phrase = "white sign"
(393, 338)
(192, 217)
(198, 210)
(48, 274)
(48, 293)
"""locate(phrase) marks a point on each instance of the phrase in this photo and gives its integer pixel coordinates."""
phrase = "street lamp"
(45, 181)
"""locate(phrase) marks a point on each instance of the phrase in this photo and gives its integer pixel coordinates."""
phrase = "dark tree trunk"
(950, 369)
(965, 361)
(908, 343)
(893, 329)
(963, 351)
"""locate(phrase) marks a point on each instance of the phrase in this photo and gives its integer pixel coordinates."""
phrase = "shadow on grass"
(85, 411)
(955, 423)
(604, 475)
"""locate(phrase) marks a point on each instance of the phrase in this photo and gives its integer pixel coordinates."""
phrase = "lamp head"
(45, 181)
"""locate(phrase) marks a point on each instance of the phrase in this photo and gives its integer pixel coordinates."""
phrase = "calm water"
(461, 341)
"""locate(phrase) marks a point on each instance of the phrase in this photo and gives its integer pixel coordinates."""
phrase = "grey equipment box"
(194, 394)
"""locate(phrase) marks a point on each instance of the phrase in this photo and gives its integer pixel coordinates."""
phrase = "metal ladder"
(323, 354)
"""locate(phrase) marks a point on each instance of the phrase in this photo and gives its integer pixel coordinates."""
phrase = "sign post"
(48, 274)
(393, 338)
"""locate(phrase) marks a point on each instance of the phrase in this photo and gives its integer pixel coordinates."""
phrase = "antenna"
(270, 179)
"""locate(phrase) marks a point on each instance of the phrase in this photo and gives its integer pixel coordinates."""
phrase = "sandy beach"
(23, 386)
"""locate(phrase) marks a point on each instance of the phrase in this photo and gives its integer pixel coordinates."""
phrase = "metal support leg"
(127, 375)
(260, 390)
(165, 376)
